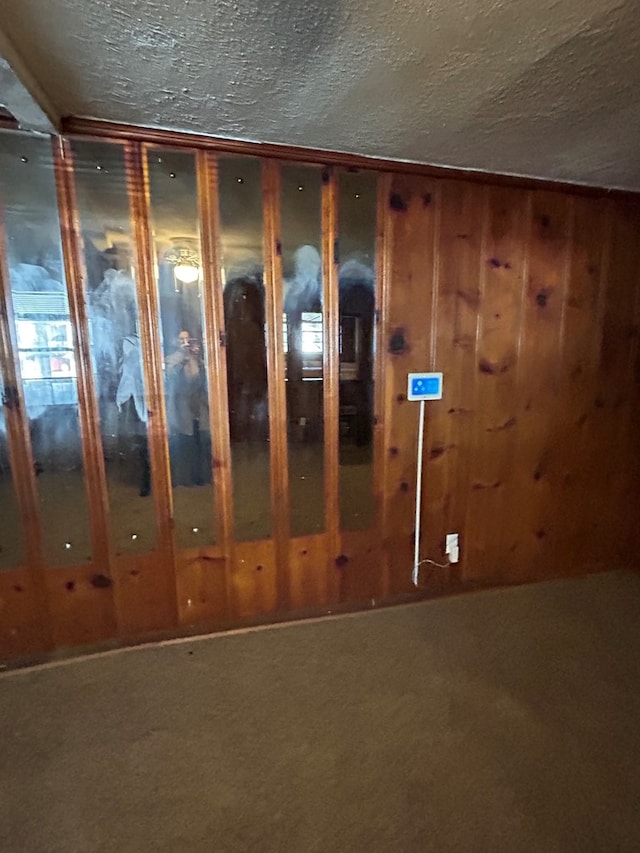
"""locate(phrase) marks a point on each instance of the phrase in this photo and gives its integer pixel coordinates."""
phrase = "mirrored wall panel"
(11, 535)
(173, 190)
(357, 230)
(114, 331)
(241, 220)
(301, 237)
(45, 343)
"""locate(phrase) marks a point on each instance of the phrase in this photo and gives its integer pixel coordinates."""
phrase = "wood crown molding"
(98, 129)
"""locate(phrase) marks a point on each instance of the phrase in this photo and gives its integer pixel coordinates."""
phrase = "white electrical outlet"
(452, 547)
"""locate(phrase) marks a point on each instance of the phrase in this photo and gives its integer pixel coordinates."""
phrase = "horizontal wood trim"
(94, 128)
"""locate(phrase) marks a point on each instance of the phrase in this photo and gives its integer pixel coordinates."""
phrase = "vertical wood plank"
(617, 395)
(24, 622)
(407, 344)
(629, 454)
(308, 563)
(207, 167)
(81, 602)
(577, 416)
(537, 524)
(276, 376)
(383, 290)
(331, 373)
(162, 603)
(202, 579)
(447, 456)
(486, 550)
(255, 579)
(358, 566)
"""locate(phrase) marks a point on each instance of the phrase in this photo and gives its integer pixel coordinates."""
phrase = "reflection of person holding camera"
(186, 356)
(187, 412)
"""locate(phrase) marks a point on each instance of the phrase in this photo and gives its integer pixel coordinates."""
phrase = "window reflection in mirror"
(357, 230)
(11, 537)
(176, 233)
(301, 237)
(240, 200)
(114, 332)
(45, 344)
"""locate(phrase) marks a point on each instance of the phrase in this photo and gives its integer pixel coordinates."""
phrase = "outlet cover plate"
(451, 542)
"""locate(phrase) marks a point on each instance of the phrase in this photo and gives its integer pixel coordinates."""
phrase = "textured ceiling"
(548, 88)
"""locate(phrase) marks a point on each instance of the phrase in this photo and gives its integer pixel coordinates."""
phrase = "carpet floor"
(497, 721)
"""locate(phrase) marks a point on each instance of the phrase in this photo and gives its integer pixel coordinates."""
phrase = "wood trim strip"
(214, 324)
(276, 376)
(330, 358)
(94, 128)
(92, 456)
(148, 313)
(382, 421)
(383, 288)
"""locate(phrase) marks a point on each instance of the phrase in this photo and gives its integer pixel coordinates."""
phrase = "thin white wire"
(433, 563)
(416, 544)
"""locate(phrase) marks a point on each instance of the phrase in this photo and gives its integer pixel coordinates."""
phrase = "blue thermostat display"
(425, 386)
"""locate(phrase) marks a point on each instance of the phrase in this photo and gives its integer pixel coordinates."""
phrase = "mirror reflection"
(11, 538)
(357, 229)
(240, 200)
(114, 331)
(45, 351)
(45, 343)
(301, 232)
(173, 193)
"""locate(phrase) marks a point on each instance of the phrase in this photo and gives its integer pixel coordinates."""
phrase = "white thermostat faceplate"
(424, 386)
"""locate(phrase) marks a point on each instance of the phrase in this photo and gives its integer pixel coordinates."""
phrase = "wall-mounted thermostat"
(425, 386)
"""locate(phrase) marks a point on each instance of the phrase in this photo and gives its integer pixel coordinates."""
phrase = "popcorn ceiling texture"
(547, 89)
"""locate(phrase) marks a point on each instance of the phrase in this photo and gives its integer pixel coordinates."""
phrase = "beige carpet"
(499, 721)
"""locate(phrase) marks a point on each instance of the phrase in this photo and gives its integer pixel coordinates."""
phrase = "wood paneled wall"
(528, 300)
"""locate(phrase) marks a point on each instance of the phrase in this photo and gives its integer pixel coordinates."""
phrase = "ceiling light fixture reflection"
(186, 263)
(187, 274)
